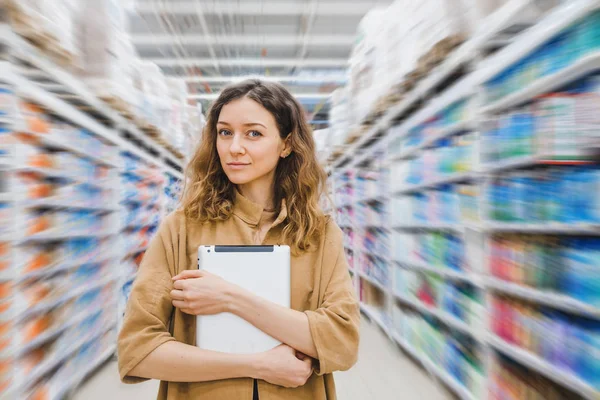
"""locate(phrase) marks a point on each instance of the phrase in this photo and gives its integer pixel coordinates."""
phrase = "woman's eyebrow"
(246, 124)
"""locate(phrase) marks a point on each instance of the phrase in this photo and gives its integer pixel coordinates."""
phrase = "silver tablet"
(262, 270)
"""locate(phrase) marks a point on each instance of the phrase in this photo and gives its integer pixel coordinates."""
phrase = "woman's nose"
(236, 145)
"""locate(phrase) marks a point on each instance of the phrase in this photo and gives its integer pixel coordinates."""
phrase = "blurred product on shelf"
(561, 51)
(437, 250)
(562, 265)
(510, 381)
(558, 194)
(558, 126)
(567, 342)
(456, 357)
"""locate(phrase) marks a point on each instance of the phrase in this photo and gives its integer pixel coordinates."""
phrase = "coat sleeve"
(149, 309)
(334, 326)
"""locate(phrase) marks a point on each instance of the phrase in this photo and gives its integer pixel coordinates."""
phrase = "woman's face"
(248, 142)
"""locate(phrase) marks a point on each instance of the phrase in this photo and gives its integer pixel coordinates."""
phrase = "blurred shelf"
(454, 178)
(448, 273)
(374, 254)
(555, 300)
(457, 387)
(372, 199)
(443, 316)
(579, 69)
(48, 304)
(546, 368)
(373, 225)
(53, 333)
(49, 364)
(54, 203)
(374, 315)
(526, 162)
(51, 141)
(63, 265)
(134, 252)
(559, 19)
(344, 205)
(58, 234)
(51, 173)
(449, 131)
(542, 227)
(75, 380)
(373, 282)
(431, 226)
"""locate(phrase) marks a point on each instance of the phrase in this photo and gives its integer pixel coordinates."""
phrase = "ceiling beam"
(299, 96)
(341, 79)
(244, 40)
(252, 62)
(268, 8)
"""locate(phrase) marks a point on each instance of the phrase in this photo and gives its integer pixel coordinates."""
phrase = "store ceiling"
(304, 44)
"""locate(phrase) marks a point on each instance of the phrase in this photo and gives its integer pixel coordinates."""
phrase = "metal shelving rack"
(384, 132)
(32, 77)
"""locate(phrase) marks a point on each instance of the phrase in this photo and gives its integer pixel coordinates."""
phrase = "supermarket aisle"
(383, 372)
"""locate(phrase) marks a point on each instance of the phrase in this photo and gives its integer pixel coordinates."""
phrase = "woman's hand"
(283, 366)
(198, 292)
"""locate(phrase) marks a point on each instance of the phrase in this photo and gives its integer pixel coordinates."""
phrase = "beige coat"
(321, 288)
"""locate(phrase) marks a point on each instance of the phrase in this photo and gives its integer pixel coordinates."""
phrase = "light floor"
(382, 372)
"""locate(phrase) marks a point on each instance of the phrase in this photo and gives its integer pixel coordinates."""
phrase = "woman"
(253, 180)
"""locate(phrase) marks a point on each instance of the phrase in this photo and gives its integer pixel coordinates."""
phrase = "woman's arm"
(198, 292)
(284, 324)
(178, 362)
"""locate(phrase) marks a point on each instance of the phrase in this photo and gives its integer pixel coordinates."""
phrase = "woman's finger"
(189, 273)
(179, 304)
(179, 285)
(177, 295)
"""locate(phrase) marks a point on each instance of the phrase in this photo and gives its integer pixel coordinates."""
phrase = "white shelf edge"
(443, 316)
(560, 376)
(462, 126)
(374, 316)
(553, 300)
(373, 282)
(442, 271)
(453, 178)
(430, 226)
(430, 366)
(542, 227)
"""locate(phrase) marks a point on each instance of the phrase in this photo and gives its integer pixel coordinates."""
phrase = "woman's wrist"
(236, 298)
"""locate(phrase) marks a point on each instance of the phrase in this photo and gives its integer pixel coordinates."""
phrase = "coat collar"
(250, 212)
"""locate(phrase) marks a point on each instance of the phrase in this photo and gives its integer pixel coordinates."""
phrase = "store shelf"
(542, 227)
(463, 126)
(50, 141)
(53, 333)
(443, 316)
(63, 265)
(373, 282)
(374, 254)
(374, 315)
(435, 226)
(372, 199)
(448, 273)
(530, 360)
(556, 21)
(579, 69)
(554, 300)
(59, 234)
(454, 178)
(54, 203)
(48, 365)
(49, 304)
(433, 368)
(74, 381)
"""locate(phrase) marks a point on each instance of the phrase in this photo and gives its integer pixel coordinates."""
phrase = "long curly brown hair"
(208, 194)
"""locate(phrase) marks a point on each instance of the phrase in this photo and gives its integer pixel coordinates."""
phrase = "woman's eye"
(254, 134)
(224, 132)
